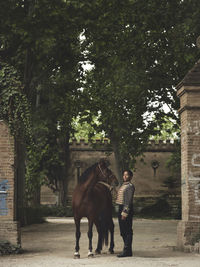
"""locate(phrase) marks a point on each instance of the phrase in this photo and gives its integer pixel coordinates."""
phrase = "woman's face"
(126, 176)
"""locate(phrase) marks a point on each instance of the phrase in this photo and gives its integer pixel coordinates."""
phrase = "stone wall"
(9, 228)
(150, 174)
(148, 177)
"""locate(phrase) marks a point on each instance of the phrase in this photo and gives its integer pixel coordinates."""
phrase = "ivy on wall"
(14, 107)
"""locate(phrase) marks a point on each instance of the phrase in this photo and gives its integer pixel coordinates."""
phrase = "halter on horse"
(92, 199)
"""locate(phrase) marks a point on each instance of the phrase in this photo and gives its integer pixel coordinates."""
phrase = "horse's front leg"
(90, 235)
(111, 228)
(78, 235)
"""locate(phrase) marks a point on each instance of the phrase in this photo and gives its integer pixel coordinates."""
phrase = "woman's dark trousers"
(126, 230)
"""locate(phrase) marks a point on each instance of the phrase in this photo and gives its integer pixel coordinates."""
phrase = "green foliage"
(14, 107)
(173, 182)
(174, 162)
(160, 208)
(168, 130)
(35, 175)
(86, 130)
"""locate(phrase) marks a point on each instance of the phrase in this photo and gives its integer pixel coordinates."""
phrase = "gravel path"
(52, 244)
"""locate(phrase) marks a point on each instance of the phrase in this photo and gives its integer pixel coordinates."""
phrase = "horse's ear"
(104, 162)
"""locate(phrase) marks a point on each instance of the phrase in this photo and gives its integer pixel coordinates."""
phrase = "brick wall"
(9, 228)
(189, 92)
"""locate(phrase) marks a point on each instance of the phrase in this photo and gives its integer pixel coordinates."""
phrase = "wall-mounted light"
(78, 166)
(154, 165)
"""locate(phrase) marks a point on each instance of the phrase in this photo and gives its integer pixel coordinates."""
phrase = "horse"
(92, 199)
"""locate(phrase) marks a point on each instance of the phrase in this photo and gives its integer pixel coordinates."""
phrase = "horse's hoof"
(97, 252)
(76, 255)
(111, 251)
(90, 255)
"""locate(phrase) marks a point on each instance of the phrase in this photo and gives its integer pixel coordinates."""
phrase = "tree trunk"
(36, 194)
(65, 170)
(117, 156)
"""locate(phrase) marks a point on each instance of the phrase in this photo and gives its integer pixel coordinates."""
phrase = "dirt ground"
(52, 244)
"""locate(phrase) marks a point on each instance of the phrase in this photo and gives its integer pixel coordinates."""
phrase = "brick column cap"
(192, 79)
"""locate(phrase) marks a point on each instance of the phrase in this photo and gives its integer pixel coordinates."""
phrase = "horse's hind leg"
(90, 235)
(111, 228)
(78, 235)
(99, 243)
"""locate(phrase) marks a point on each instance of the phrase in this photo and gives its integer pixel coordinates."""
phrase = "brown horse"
(92, 199)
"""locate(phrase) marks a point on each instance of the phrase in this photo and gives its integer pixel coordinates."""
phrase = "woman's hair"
(130, 173)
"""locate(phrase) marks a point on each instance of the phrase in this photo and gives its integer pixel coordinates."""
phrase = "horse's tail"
(104, 228)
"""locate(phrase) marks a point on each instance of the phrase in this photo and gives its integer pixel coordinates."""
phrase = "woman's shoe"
(124, 254)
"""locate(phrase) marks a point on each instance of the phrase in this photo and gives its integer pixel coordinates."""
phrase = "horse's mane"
(83, 178)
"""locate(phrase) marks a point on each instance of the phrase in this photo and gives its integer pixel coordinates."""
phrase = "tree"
(139, 53)
(53, 130)
(40, 39)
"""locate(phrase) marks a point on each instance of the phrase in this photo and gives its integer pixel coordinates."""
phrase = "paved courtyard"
(51, 244)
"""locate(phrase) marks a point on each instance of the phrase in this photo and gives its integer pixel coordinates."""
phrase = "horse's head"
(105, 174)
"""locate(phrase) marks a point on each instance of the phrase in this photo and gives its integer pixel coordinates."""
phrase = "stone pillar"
(188, 231)
(9, 228)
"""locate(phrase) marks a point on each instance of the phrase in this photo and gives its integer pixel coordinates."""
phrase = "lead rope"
(107, 185)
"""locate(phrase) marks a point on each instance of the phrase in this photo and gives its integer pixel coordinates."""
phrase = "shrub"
(160, 209)
(7, 248)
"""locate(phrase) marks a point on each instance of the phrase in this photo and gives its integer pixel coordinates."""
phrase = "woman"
(125, 212)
